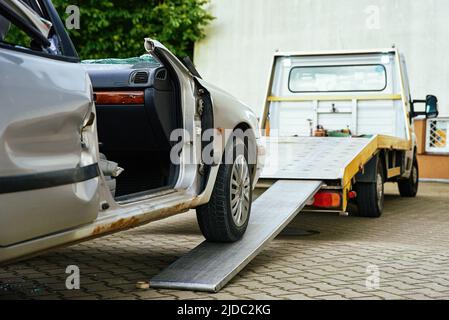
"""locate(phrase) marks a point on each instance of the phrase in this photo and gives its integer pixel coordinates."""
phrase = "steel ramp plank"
(209, 266)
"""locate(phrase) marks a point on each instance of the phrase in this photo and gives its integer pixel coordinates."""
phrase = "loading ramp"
(209, 266)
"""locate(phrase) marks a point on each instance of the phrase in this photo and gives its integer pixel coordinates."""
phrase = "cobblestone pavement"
(409, 246)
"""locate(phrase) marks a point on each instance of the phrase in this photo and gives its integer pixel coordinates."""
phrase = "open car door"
(49, 173)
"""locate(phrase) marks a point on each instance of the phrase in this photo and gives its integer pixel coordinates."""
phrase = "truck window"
(350, 78)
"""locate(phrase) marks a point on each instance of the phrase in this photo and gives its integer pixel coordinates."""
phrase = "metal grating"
(437, 136)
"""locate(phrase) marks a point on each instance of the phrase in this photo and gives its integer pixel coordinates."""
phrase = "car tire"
(409, 187)
(370, 196)
(225, 218)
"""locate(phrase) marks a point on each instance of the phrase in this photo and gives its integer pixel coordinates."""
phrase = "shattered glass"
(144, 61)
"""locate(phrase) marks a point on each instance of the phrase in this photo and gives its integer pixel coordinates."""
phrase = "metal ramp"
(209, 266)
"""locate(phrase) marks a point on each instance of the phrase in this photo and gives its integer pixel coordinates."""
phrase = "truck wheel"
(370, 196)
(225, 218)
(409, 187)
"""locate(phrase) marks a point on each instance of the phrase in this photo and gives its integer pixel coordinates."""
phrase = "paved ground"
(408, 247)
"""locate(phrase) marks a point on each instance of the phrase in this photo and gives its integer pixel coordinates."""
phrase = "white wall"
(237, 51)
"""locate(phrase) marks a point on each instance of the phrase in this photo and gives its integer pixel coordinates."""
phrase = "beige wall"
(431, 166)
(237, 52)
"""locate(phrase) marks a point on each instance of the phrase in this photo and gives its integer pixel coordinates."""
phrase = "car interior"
(136, 135)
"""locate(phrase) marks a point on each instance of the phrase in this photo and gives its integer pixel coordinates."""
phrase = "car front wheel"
(225, 218)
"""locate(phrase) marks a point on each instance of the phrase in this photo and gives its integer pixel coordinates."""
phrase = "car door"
(49, 176)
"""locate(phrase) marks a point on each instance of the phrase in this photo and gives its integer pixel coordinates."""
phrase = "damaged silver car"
(88, 149)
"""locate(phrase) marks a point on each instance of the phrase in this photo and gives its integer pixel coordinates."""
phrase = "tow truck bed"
(322, 158)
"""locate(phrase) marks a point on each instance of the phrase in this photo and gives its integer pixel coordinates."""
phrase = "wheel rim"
(380, 190)
(240, 191)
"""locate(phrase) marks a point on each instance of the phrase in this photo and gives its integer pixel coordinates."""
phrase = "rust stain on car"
(118, 225)
(132, 222)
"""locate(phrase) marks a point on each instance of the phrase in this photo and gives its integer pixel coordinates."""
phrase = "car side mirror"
(431, 110)
(431, 107)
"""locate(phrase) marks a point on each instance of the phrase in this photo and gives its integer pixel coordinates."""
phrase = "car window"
(338, 78)
(15, 34)
(11, 34)
(30, 16)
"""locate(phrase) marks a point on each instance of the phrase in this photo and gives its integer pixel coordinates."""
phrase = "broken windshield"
(144, 61)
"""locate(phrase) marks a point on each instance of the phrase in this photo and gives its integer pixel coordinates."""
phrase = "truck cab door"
(49, 173)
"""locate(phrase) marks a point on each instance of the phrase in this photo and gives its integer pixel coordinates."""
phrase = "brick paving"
(409, 246)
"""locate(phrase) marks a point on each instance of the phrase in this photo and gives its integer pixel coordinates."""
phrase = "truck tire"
(370, 195)
(409, 187)
(225, 218)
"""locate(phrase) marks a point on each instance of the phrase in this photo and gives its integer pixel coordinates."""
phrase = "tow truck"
(337, 126)
(343, 118)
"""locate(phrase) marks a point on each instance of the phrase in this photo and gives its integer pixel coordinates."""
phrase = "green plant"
(117, 28)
